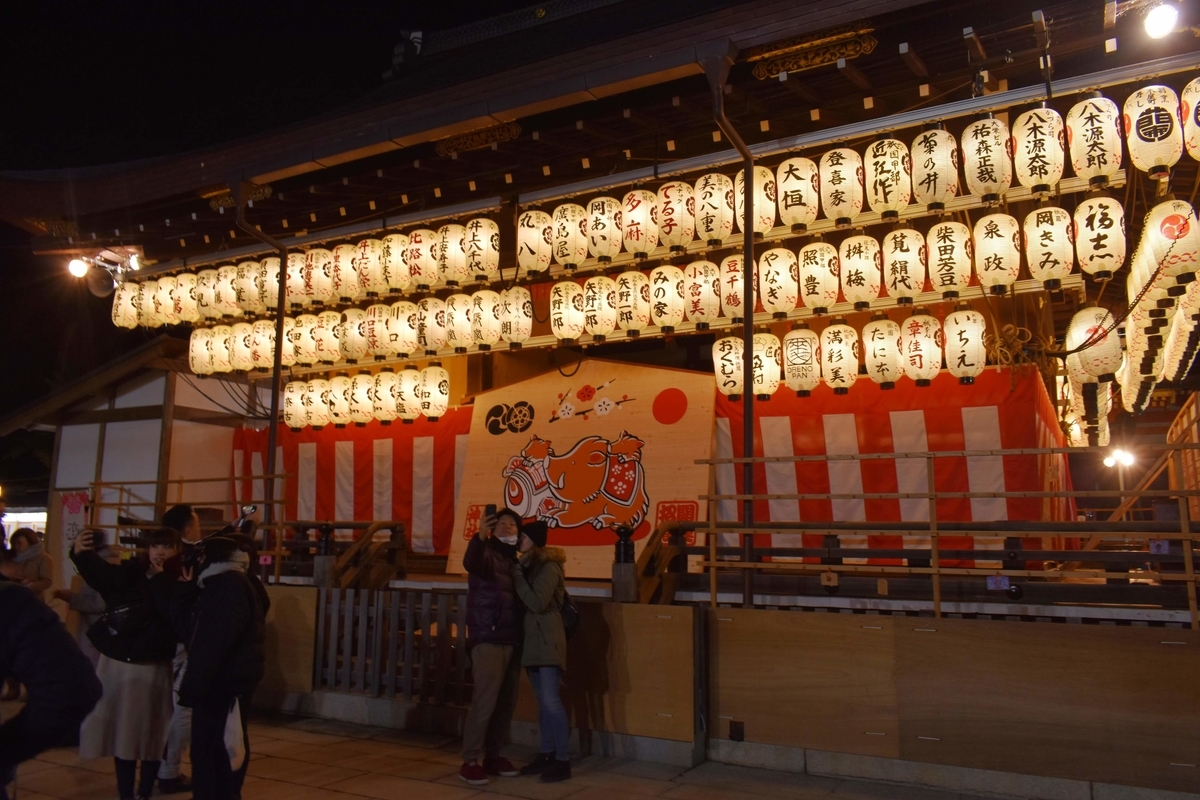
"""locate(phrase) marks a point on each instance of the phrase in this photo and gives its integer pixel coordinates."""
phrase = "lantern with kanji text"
(569, 239)
(778, 281)
(763, 196)
(921, 347)
(950, 255)
(903, 253)
(765, 364)
(1152, 130)
(566, 311)
(861, 262)
(1049, 245)
(819, 276)
(714, 208)
(702, 293)
(997, 252)
(676, 215)
(1100, 236)
(633, 302)
(1094, 135)
(639, 222)
(802, 359)
(797, 181)
(431, 325)
(534, 242)
(1038, 150)
(666, 297)
(600, 306)
(841, 185)
(481, 243)
(881, 351)
(435, 391)
(727, 366)
(934, 168)
(839, 356)
(604, 228)
(963, 335)
(888, 177)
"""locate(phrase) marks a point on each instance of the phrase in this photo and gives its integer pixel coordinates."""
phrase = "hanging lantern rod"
(999, 101)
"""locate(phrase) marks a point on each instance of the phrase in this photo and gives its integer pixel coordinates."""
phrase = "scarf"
(239, 562)
(31, 553)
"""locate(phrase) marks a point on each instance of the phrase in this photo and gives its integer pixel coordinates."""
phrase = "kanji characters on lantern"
(702, 293)
(778, 281)
(666, 297)
(950, 253)
(375, 328)
(888, 177)
(986, 162)
(270, 271)
(435, 391)
(535, 242)
(566, 311)
(903, 252)
(431, 325)
(225, 292)
(362, 407)
(1172, 240)
(369, 263)
(383, 396)
(316, 403)
(262, 345)
(458, 322)
(1049, 245)
(966, 355)
(639, 222)
(676, 215)
(338, 396)
(604, 229)
(600, 306)
(633, 302)
(797, 181)
(423, 259)
(125, 305)
(394, 260)
(733, 299)
(1038, 150)
(199, 351)
(861, 262)
(934, 168)
(1100, 236)
(997, 252)
(294, 414)
(206, 287)
(164, 302)
(1092, 329)
(408, 394)
(1189, 114)
(481, 242)
(802, 359)
(819, 276)
(765, 365)
(569, 238)
(186, 307)
(516, 316)
(353, 337)
(1094, 135)
(452, 255)
(881, 351)
(763, 201)
(728, 366)
(714, 208)
(485, 319)
(248, 287)
(346, 285)
(326, 334)
(839, 356)
(303, 339)
(841, 185)
(318, 275)
(921, 347)
(1152, 130)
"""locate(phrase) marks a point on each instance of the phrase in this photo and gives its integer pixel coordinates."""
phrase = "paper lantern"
(733, 288)
(200, 351)
(603, 226)
(516, 316)
(346, 285)
(1100, 236)
(566, 311)
(921, 347)
(422, 259)
(600, 307)
(702, 293)
(1179, 348)
(362, 403)
(248, 288)
(676, 215)
(458, 322)
(666, 297)
(287, 351)
(225, 292)
(1038, 150)
(888, 178)
(326, 335)
(186, 307)
(966, 355)
(1189, 114)
(369, 264)
(270, 271)
(318, 277)
(125, 305)
(802, 360)
(294, 414)
(296, 296)
(1152, 130)
(148, 315)
(394, 260)
(1094, 134)
(452, 255)
(338, 397)
(881, 351)
(861, 263)
(986, 162)
(304, 339)
(353, 337)
(934, 169)
(727, 366)
(903, 254)
(765, 363)
(435, 391)
(797, 181)
(841, 185)
(408, 394)
(219, 346)
(819, 276)
(568, 232)
(1102, 357)
(316, 403)
(534, 242)
(764, 201)
(1174, 239)
(950, 254)
(714, 208)
(241, 342)
(262, 345)
(431, 325)
(1049, 245)
(383, 396)
(485, 319)
(779, 281)
(839, 356)
(481, 243)
(375, 328)
(639, 222)
(206, 287)
(164, 302)
(633, 302)
(997, 252)
(402, 328)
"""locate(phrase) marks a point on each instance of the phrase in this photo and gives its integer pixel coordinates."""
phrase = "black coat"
(37, 651)
(224, 630)
(492, 616)
(126, 584)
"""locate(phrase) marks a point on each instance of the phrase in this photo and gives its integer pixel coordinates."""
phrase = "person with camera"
(494, 636)
(136, 642)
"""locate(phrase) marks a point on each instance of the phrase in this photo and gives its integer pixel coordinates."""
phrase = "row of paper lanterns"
(356, 400)
(886, 351)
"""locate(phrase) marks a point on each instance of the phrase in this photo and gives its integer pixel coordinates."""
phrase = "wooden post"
(1185, 528)
(712, 537)
(934, 560)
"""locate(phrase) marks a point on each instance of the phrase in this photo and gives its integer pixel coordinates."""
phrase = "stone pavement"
(312, 759)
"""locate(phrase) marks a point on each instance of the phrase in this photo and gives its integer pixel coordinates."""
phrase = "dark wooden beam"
(798, 87)
(975, 49)
(113, 415)
(209, 417)
(914, 62)
(853, 74)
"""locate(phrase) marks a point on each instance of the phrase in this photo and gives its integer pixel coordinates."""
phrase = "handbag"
(125, 620)
(570, 614)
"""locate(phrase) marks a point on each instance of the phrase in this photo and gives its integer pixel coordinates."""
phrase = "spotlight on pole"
(77, 267)
(1118, 456)
(1161, 20)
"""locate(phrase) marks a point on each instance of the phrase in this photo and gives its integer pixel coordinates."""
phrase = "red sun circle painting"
(670, 405)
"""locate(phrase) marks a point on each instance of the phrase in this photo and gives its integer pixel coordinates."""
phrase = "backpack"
(570, 614)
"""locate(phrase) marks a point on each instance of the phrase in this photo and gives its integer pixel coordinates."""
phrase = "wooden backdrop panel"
(291, 634)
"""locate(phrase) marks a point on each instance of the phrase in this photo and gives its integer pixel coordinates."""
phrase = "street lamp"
(1120, 459)
(1161, 20)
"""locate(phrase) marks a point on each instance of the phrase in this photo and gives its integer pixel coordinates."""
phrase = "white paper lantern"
(986, 162)
(295, 416)
(841, 185)
(728, 366)
(362, 403)
(921, 347)
(764, 200)
(408, 394)
(375, 328)
(369, 264)
(485, 319)
(1179, 348)
(353, 338)
(1049, 245)
(1038, 156)
(199, 351)
(304, 339)
(568, 231)
(383, 396)
(1100, 236)
(458, 322)
(431, 325)
(346, 285)
(1174, 240)
(950, 253)
(326, 335)
(534, 242)
(249, 288)
(603, 226)
(225, 292)
(148, 315)
(1094, 134)
(422, 259)
(797, 181)
(402, 328)
(435, 391)
(881, 351)
(997, 252)
(566, 311)
(206, 287)
(394, 260)
(861, 263)
(666, 297)
(318, 277)
(702, 293)
(766, 365)
(779, 281)
(1090, 326)
(600, 307)
(338, 396)
(270, 271)
(676, 215)
(1152, 130)
(165, 300)
(714, 208)
(888, 177)
(1189, 113)
(287, 351)
(241, 353)
(125, 305)
(481, 243)
(802, 360)
(934, 169)
(903, 252)
(186, 306)
(297, 295)
(819, 276)
(733, 300)
(316, 403)
(516, 316)
(219, 346)
(633, 302)
(839, 356)
(262, 345)
(452, 255)
(639, 222)
(966, 355)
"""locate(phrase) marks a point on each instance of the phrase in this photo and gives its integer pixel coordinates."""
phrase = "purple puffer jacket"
(491, 600)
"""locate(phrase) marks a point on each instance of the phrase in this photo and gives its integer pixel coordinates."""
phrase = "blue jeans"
(552, 714)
